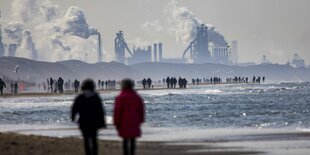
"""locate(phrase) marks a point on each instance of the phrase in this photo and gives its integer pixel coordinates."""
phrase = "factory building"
(220, 55)
(146, 54)
(298, 62)
(199, 48)
(140, 55)
(214, 49)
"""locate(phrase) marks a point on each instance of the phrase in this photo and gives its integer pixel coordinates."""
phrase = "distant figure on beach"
(128, 116)
(60, 85)
(51, 82)
(15, 88)
(76, 84)
(2, 85)
(89, 107)
(168, 82)
(144, 83)
(264, 79)
(149, 82)
(102, 84)
(99, 84)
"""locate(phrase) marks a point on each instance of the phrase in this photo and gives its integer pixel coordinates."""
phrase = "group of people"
(171, 82)
(147, 83)
(128, 115)
(13, 87)
(108, 84)
(56, 85)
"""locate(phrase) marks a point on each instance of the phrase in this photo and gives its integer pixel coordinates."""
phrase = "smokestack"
(155, 52)
(160, 54)
(99, 48)
(1, 43)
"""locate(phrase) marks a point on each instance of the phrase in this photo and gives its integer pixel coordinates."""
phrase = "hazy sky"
(276, 28)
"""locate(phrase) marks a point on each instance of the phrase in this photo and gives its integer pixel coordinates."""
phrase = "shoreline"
(221, 141)
(71, 92)
(13, 143)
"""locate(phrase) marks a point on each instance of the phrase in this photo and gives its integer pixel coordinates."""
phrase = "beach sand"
(18, 144)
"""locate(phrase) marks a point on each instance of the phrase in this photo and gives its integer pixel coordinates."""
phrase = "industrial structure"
(1, 43)
(120, 47)
(99, 48)
(205, 49)
(199, 48)
(298, 62)
(139, 54)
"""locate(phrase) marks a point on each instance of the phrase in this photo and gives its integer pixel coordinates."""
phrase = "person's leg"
(94, 142)
(125, 146)
(132, 146)
(86, 138)
(1, 92)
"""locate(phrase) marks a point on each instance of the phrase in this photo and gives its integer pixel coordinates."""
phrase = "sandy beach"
(211, 142)
(17, 144)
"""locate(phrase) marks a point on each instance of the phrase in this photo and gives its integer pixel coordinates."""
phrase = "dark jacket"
(2, 84)
(128, 114)
(90, 109)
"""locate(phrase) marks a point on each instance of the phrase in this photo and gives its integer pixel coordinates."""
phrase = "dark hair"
(127, 84)
(88, 84)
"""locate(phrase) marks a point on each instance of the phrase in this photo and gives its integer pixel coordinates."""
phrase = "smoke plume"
(183, 23)
(42, 32)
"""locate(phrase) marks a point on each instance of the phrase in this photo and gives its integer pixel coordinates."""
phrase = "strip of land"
(18, 144)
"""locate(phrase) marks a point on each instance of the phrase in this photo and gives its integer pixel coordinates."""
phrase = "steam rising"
(41, 32)
(183, 23)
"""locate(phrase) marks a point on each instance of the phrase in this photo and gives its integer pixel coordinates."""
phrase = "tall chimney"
(155, 53)
(160, 54)
(99, 48)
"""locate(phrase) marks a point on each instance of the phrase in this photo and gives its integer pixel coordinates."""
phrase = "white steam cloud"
(183, 23)
(40, 31)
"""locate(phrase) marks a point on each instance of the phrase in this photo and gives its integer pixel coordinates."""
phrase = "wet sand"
(18, 144)
(67, 141)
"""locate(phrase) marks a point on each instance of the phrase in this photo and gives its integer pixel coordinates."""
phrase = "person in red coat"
(128, 116)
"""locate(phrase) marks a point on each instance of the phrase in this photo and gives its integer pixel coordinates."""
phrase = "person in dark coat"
(51, 84)
(89, 107)
(15, 88)
(128, 116)
(2, 85)
(60, 85)
(76, 85)
(144, 83)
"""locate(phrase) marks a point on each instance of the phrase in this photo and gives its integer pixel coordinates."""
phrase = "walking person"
(128, 116)
(2, 85)
(89, 107)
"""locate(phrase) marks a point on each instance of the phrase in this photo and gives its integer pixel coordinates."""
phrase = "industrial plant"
(205, 49)
(200, 50)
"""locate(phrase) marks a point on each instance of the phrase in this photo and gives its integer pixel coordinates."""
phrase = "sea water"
(282, 105)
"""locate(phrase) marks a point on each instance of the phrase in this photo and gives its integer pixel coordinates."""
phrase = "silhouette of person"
(2, 85)
(90, 109)
(99, 84)
(76, 85)
(60, 85)
(144, 83)
(15, 88)
(264, 79)
(128, 116)
(168, 82)
(149, 82)
(51, 84)
(102, 84)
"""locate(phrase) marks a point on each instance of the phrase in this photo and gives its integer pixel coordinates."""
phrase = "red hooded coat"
(128, 114)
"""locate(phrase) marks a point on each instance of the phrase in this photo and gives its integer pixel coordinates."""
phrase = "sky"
(275, 28)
